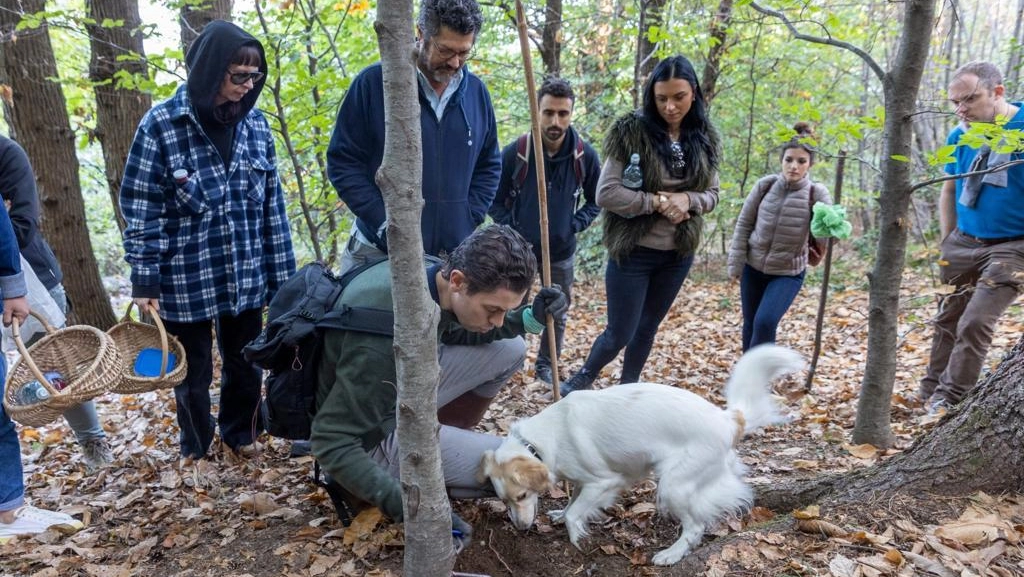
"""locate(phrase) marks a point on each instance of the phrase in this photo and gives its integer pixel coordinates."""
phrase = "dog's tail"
(748, 390)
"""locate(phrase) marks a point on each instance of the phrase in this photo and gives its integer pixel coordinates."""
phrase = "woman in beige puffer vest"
(768, 254)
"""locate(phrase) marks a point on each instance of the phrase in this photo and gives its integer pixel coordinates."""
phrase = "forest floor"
(263, 517)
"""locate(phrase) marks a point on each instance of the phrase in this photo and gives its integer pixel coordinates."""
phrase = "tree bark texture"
(428, 542)
(978, 446)
(551, 47)
(118, 109)
(900, 86)
(652, 14)
(195, 17)
(38, 118)
(718, 39)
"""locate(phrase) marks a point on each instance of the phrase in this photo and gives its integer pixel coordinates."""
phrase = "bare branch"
(820, 40)
(997, 168)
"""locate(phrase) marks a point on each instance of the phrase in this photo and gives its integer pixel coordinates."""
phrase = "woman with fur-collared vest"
(768, 255)
(652, 233)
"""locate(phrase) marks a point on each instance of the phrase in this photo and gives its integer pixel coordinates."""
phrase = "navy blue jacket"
(566, 216)
(461, 162)
(18, 186)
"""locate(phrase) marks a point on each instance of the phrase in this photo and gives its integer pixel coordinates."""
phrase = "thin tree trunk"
(713, 66)
(195, 17)
(38, 118)
(900, 87)
(652, 14)
(593, 64)
(1016, 47)
(273, 51)
(551, 47)
(116, 49)
(428, 543)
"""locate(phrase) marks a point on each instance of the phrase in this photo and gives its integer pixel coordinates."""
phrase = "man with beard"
(460, 144)
(571, 168)
(461, 161)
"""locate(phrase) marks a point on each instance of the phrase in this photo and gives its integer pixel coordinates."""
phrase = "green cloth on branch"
(830, 220)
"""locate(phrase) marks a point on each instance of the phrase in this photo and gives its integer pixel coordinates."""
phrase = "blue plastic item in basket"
(147, 364)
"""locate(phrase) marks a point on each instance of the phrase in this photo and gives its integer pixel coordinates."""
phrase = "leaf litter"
(145, 515)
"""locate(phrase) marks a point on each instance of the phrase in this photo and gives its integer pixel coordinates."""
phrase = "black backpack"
(292, 342)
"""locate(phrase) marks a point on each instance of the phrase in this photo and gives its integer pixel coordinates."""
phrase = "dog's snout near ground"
(605, 441)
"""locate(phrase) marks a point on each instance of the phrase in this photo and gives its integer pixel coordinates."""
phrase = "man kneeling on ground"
(479, 289)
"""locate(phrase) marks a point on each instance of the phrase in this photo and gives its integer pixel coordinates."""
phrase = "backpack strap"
(522, 163)
(361, 319)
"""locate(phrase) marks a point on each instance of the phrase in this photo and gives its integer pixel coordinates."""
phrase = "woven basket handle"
(16, 331)
(164, 347)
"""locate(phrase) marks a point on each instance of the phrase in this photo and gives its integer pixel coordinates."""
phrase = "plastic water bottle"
(632, 176)
(31, 393)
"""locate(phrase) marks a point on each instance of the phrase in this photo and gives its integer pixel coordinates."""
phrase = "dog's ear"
(531, 473)
(483, 472)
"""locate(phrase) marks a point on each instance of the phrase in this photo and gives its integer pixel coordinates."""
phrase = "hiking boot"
(300, 448)
(30, 520)
(543, 373)
(580, 381)
(96, 454)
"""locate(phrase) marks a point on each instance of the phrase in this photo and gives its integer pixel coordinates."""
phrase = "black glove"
(549, 301)
(462, 533)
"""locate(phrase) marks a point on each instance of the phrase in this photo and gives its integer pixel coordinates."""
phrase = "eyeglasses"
(240, 78)
(678, 157)
(447, 53)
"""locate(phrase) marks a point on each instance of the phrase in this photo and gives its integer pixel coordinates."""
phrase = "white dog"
(605, 441)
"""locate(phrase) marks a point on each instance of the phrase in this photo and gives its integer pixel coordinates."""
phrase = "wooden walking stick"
(825, 274)
(542, 191)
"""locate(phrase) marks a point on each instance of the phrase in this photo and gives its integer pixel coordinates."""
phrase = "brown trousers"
(988, 278)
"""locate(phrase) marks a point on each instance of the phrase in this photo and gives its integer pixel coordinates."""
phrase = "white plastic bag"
(40, 301)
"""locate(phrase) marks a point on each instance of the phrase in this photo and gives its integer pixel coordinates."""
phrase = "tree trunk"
(592, 64)
(38, 118)
(975, 448)
(194, 17)
(900, 87)
(1013, 84)
(428, 543)
(118, 108)
(713, 66)
(551, 46)
(652, 14)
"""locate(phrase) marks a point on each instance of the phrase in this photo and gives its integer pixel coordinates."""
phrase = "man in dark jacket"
(18, 188)
(571, 168)
(460, 145)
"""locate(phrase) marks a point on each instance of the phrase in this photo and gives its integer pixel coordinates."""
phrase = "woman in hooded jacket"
(207, 235)
(769, 250)
(652, 230)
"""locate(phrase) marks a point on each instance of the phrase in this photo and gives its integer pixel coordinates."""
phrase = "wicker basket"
(85, 356)
(131, 337)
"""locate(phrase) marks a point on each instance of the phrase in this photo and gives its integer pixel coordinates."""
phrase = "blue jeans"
(765, 299)
(12, 484)
(562, 274)
(240, 383)
(640, 290)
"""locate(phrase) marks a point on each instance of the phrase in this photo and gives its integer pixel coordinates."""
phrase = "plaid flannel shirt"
(218, 243)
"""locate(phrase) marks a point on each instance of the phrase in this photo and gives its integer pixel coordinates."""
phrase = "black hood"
(207, 60)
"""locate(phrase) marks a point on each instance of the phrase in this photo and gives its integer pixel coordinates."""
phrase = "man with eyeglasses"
(461, 162)
(981, 218)
(207, 235)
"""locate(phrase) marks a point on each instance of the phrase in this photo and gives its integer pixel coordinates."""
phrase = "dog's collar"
(529, 446)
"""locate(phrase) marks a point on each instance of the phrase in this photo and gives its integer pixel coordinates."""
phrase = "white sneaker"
(30, 520)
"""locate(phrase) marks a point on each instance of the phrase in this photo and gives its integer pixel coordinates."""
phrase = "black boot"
(580, 381)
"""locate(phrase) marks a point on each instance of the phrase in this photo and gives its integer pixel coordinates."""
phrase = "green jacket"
(357, 389)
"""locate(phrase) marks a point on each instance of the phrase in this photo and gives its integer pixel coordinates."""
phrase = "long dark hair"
(695, 128)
